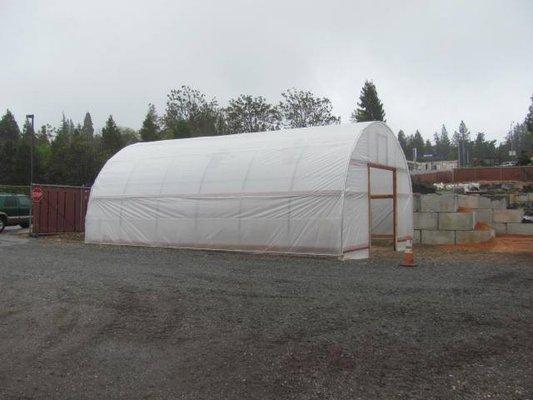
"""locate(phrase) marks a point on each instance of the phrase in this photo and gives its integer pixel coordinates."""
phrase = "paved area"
(94, 322)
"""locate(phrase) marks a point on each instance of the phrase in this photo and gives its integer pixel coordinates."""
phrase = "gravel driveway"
(84, 321)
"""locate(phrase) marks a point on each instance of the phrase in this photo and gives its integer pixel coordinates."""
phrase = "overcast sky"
(432, 62)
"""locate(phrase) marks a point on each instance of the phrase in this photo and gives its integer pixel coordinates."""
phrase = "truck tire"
(2, 223)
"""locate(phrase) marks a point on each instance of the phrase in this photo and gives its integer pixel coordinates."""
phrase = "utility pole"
(32, 142)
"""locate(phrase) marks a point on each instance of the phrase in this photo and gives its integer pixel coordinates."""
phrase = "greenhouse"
(317, 191)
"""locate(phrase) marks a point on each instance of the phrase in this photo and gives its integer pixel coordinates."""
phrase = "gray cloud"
(433, 62)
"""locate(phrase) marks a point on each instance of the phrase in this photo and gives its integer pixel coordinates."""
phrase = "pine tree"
(59, 167)
(150, 130)
(402, 139)
(417, 142)
(111, 138)
(369, 107)
(9, 129)
(88, 128)
(428, 148)
(462, 142)
(447, 152)
(529, 117)
(438, 146)
(9, 138)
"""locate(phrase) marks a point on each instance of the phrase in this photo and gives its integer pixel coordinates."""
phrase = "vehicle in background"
(15, 209)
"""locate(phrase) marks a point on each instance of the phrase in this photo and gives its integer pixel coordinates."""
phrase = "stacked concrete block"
(518, 228)
(437, 237)
(465, 201)
(507, 216)
(416, 237)
(438, 203)
(483, 215)
(522, 198)
(470, 237)
(484, 202)
(426, 220)
(437, 219)
(498, 204)
(473, 201)
(499, 227)
(456, 221)
(416, 202)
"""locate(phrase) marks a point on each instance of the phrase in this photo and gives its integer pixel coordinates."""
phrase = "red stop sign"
(37, 194)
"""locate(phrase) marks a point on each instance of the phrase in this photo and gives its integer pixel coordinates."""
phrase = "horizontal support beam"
(381, 196)
(381, 166)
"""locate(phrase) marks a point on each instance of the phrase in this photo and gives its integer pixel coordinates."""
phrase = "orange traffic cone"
(408, 258)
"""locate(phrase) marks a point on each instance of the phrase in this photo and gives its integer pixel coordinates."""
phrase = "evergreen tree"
(111, 139)
(9, 138)
(150, 130)
(88, 128)
(301, 108)
(417, 142)
(9, 129)
(58, 172)
(529, 118)
(438, 146)
(428, 148)
(369, 107)
(402, 139)
(461, 140)
(82, 160)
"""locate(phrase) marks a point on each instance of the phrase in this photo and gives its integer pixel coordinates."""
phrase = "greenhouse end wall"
(295, 191)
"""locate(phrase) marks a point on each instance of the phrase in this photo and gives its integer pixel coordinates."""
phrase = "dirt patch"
(499, 244)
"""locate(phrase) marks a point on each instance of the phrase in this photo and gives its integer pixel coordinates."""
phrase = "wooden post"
(394, 208)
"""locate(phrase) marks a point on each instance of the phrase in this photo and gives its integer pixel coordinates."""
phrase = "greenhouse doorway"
(382, 205)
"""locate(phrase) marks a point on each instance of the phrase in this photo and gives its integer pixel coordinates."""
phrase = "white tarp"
(291, 191)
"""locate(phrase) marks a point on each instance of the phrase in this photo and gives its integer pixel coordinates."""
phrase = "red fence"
(60, 209)
(465, 175)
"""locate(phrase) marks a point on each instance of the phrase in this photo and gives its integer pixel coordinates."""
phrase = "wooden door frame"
(392, 196)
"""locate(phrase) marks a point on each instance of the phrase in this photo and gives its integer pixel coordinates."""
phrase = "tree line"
(472, 150)
(73, 153)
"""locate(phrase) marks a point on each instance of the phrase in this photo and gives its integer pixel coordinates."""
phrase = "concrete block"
(499, 204)
(507, 215)
(466, 237)
(437, 237)
(426, 220)
(530, 196)
(456, 221)
(484, 202)
(416, 237)
(438, 202)
(499, 227)
(483, 215)
(468, 201)
(518, 228)
(472, 201)
(416, 203)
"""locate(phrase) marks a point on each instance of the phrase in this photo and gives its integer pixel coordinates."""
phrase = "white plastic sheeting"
(291, 191)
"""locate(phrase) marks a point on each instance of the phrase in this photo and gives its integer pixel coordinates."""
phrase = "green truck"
(15, 209)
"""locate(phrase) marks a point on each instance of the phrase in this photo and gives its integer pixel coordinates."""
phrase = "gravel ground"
(80, 321)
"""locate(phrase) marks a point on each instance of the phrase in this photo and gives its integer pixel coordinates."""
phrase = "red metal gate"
(61, 209)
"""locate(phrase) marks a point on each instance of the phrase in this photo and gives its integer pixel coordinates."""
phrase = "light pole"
(32, 117)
